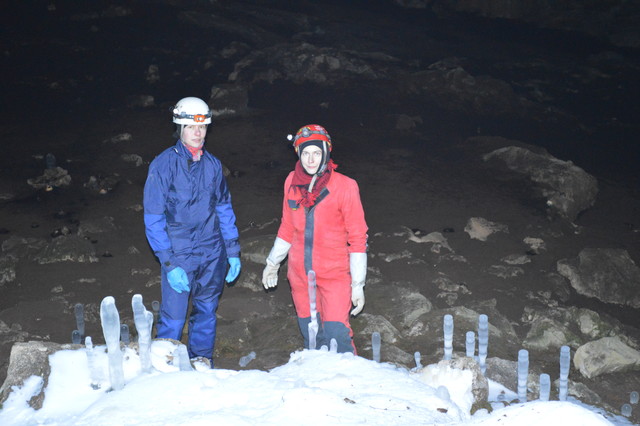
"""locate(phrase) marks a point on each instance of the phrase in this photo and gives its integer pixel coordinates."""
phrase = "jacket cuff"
(167, 260)
(232, 247)
(358, 269)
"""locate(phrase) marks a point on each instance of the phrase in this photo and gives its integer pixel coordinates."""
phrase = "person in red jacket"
(323, 229)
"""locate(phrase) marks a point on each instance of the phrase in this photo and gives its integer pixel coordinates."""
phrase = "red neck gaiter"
(300, 184)
(196, 153)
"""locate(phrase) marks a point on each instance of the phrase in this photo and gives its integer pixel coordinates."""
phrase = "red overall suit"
(321, 239)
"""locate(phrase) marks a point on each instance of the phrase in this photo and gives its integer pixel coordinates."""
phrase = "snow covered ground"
(313, 388)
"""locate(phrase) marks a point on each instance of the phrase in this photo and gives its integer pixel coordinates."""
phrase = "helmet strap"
(325, 159)
(313, 181)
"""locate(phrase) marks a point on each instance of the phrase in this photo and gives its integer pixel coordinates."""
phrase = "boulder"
(567, 188)
(557, 326)
(376, 323)
(56, 176)
(401, 304)
(606, 355)
(546, 334)
(452, 88)
(393, 354)
(30, 359)
(303, 63)
(607, 274)
(480, 228)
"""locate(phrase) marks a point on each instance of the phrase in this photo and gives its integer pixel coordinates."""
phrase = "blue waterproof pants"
(206, 279)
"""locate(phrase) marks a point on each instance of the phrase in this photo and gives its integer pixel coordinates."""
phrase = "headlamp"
(198, 118)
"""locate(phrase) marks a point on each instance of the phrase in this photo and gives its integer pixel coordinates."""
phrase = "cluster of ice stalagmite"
(627, 408)
(470, 343)
(114, 332)
(523, 359)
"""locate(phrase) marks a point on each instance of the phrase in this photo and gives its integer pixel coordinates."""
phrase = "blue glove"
(234, 269)
(178, 279)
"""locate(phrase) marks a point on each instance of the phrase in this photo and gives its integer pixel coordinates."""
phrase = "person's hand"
(277, 254)
(234, 269)
(358, 269)
(270, 275)
(357, 298)
(178, 279)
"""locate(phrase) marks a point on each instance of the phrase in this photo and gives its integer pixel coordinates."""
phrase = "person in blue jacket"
(190, 225)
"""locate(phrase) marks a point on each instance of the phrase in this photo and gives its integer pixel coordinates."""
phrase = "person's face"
(194, 134)
(311, 157)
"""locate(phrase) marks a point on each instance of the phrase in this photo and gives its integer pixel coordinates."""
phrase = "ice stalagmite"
(333, 346)
(79, 312)
(155, 307)
(245, 360)
(565, 361)
(448, 336)
(91, 362)
(182, 355)
(375, 345)
(76, 338)
(142, 319)
(523, 374)
(313, 324)
(149, 316)
(111, 330)
(470, 344)
(124, 334)
(545, 386)
(483, 341)
(417, 358)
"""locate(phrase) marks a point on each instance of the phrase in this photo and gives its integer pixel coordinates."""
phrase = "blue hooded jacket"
(187, 208)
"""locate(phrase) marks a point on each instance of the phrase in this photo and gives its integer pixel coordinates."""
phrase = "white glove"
(358, 267)
(276, 256)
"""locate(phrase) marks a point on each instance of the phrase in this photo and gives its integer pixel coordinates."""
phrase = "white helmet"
(191, 111)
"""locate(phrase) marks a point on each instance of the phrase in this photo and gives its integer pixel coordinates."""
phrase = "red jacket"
(322, 237)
